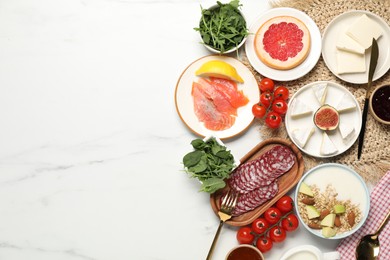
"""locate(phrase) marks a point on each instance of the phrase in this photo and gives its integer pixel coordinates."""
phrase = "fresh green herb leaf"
(210, 162)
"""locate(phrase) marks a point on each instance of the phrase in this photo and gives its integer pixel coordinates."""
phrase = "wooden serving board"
(286, 182)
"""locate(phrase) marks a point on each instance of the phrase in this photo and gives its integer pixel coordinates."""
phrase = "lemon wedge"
(219, 69)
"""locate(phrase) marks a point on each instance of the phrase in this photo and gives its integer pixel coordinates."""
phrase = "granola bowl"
(332, 201)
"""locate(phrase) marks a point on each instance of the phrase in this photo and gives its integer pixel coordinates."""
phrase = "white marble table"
(90, 141)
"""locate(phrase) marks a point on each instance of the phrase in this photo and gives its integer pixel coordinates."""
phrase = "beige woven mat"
(375, 159)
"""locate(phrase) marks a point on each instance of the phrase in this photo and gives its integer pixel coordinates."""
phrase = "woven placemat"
(375, 159)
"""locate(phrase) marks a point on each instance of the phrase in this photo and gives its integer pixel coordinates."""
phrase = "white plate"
(347, 183)
(297, 72)
(185, 105)
(334, 95)
(337, 26)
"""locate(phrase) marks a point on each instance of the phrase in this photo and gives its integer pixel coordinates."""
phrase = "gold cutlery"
(373, 63)
(225, 213)
(368, 247)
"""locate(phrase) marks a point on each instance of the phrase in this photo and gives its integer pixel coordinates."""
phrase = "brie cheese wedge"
(363, 30)
(302, 135)
(347, 131)
(327, 146)
(345, 103)
(299, 109)
(346, 43)
(349, 62)
(320, 91)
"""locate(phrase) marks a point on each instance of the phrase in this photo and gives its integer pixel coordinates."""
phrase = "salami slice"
(263, 170)
(251, 200)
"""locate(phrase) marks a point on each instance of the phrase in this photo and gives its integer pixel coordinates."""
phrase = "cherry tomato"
(259, 110)
(266, 84)
(290, 223)
(266, 99)
(264, 244)
(279, 106)
(244, 235)
(285, 204)
(281, 93)
(272, 215)
(273, 120)
(277, 234)
(260, 225)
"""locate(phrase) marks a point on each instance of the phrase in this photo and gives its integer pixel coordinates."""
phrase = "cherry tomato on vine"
(277, 234)
(285, 204)
(290, 223)
(266, 84)
(259, 110)
(273, 120)
(264, 244)
(266, 99)
(281, 93)
(272, 215)
(260, 225)
(244, 235)
(279, 106)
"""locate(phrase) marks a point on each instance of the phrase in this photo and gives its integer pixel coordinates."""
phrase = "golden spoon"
(368, 247)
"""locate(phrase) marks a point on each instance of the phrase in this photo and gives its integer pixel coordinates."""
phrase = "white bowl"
(228, 51)
(308, 252)
(347, 183)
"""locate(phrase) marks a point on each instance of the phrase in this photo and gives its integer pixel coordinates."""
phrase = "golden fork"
(225, 213)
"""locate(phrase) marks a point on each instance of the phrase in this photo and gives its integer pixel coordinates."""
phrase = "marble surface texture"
(90, 141)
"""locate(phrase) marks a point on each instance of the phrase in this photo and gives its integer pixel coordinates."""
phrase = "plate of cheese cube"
(337, 105)
(346, 45)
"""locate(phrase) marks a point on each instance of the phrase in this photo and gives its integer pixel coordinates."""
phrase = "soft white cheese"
(320, 91)
(345, 103)
(299, 109)
(363, 30)
(346, 43)
(302, 135)
(349, 62)
(327, 146)
(347, 131)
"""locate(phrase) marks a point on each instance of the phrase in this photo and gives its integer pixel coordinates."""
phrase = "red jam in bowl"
(244, 253)
(381, 103)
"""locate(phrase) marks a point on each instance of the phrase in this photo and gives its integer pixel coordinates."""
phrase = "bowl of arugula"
(223, 27)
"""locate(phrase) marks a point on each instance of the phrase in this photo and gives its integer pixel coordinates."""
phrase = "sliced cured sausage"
(263, 170)
(251, 200)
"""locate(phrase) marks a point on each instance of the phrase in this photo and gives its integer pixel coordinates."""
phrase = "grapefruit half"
(282, 42)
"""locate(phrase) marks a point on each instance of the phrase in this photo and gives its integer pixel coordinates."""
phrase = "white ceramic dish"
(347, 183)
(334, 95)
(297, 72)
(339, 25)
(308, 252)
(184, 100)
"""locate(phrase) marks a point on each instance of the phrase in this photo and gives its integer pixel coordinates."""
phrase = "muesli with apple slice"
(323, 211)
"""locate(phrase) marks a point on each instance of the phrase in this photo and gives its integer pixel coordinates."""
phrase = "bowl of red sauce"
(245, 252)
(380, 104)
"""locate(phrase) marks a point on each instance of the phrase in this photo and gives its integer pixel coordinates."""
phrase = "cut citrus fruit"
(282, 42)
(219, 69)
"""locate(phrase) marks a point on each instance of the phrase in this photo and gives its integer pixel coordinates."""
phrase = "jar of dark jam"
(380, 104)
(245, 252)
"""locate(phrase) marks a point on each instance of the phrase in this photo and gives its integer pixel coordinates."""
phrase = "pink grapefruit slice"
(282, 42)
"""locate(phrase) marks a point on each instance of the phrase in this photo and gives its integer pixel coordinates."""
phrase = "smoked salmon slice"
(221, 101)
(229, 89)
(207, 112)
